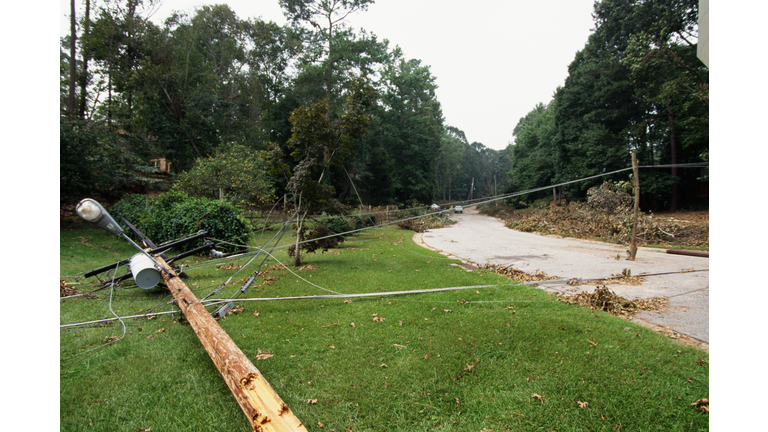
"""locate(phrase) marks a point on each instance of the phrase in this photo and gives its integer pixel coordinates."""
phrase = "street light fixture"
(90, 210)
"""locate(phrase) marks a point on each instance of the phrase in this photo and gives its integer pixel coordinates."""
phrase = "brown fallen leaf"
(161, 330)
(263, 355)
(703, 404)
(538, 396)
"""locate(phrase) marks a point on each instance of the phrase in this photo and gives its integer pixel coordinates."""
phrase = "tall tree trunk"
(673, 144)
(72, 63)
(84, 70)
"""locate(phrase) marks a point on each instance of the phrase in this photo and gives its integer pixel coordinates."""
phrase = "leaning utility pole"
(264, 409)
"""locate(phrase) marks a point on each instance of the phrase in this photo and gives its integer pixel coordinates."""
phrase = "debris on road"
(606, 300)
(519, 275)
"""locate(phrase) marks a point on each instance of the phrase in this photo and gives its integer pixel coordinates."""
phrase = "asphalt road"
(479, 240)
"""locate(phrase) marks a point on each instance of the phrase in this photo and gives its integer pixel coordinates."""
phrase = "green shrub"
(336, 224)
(132, 207)
(361, 221)
(175, 215)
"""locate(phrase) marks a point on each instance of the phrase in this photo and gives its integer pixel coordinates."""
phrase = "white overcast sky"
(493, 61)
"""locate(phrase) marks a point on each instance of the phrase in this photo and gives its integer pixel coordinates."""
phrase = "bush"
(175, 215)
(361, 221)
(336, 224)
(132, 207)
(236, 169)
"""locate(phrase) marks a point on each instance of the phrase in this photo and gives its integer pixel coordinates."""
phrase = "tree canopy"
(318, 97)
(637, 86)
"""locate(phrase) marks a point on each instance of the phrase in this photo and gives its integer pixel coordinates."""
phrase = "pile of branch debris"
(578, 219)
(606, 300)
(519, 275)
(66, 290)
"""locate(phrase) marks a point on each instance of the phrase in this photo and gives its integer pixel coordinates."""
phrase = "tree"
(411, 128)
(324, 16)
(234, 170)
(317, 144)
(533, 152)
(664, 67)
(450, 159)
(72, 63)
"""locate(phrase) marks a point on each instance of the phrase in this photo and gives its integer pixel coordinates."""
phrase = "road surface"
(479, 240)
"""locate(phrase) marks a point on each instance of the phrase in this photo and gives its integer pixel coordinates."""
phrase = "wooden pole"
(636, 171)
(264, 409)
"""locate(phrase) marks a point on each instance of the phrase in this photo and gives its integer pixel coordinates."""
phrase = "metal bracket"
(222, 311)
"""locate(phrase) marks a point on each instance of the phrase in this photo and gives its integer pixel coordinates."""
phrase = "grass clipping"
(606, 300)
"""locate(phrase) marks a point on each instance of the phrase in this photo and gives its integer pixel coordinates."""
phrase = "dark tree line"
(132, 91)
(637, 86)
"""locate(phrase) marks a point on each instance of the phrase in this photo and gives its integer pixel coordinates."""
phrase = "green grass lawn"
(505, 357)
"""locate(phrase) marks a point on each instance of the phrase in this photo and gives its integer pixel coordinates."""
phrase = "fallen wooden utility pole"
(261, 405)
(688, 252)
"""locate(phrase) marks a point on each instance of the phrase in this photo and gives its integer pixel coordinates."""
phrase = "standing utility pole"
(265, 411)
(636, 171)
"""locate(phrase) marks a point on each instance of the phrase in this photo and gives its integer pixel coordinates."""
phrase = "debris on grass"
(606, 300)
(703, 404)
(263, 355)
(236, 310)
(66, 290)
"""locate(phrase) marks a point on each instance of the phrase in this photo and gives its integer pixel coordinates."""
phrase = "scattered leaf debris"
(703, 404)
(263, 355)
(236, 310)
(519, 275)
(606, 300)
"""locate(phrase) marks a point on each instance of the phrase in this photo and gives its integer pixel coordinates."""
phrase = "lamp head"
(92, 211)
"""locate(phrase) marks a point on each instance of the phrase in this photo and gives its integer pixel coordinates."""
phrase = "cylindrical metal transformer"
(144, 272)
